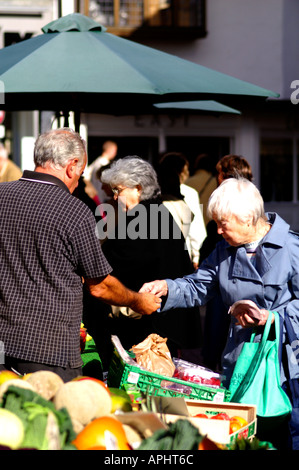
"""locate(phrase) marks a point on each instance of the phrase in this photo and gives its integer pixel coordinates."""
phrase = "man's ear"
(71, 168)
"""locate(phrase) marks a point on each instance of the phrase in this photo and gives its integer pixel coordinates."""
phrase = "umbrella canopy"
(75, 65)
(208, 106)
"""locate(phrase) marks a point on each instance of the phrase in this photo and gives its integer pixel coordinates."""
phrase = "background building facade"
(255, 41)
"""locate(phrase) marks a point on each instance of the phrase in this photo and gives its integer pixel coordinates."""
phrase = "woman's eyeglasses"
(117, 191)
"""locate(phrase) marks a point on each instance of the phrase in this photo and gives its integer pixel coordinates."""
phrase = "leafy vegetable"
(180, 435)
(46, 428)
(247, 444)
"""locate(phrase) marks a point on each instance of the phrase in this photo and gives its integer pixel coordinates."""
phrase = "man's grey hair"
(57, 147)
(130, 172)
(236, 197)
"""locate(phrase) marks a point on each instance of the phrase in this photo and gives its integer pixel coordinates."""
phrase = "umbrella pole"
(66, 118)
(77, 121)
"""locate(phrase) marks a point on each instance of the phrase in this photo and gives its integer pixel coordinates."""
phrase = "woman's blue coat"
(273, 284)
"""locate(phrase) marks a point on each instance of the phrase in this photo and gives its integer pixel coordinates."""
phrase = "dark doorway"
(144, 147)
(191, 147)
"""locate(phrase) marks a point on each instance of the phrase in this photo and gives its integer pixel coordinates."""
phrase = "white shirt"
(197, 232)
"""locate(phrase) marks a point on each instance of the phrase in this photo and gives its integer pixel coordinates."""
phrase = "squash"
(84, 400)
(45, 383)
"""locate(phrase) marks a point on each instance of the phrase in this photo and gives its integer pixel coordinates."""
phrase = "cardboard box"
(218, 430)
(173, 408)
(139, 425)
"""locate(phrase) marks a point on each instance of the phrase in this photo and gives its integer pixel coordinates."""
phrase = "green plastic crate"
(121, 373)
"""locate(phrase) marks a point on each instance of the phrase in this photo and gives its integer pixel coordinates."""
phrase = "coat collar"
(44, 178)
(275, 238)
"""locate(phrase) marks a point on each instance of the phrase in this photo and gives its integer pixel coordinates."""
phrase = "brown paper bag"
(153, 354)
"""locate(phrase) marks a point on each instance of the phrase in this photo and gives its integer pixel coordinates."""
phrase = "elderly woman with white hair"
(145, 243)
(258, 260)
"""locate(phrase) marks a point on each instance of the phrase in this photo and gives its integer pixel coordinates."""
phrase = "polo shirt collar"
(44, 178)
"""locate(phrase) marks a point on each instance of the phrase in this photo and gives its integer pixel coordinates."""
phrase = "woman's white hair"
(132, 171)
(236, 197)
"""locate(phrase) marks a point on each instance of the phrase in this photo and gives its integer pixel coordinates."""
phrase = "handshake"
(149, 297)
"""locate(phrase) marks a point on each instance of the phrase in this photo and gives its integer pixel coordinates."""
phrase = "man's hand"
(146, 303)
(113, 292)
(159, 288)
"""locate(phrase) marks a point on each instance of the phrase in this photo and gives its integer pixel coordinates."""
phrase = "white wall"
(253, 40)
(245, 40)
(290, 53)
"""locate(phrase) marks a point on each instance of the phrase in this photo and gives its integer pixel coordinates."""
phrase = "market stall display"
(39, 411)
(86, 415)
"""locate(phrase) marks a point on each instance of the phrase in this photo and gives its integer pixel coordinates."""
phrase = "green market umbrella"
(76, 65)
(208, 106)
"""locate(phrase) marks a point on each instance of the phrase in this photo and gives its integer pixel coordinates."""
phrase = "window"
(128, 17)
(279, 176)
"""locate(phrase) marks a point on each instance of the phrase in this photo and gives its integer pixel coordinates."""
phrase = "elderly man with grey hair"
(49, 249)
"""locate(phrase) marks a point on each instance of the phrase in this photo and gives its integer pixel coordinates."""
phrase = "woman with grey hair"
(146, 243)
(258, 262)
(134, 175)
(239, 199)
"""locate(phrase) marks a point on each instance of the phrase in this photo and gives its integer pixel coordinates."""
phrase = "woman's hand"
(246, 321)
(248, 314)
(158, 288)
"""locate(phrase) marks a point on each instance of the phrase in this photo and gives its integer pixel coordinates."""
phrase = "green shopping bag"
(256, 376)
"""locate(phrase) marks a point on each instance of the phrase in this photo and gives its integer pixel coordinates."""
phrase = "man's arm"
(112, 291)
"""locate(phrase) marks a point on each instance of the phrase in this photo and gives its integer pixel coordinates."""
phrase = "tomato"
(236, 423)
(240, 420)
(234, 426)
(207, 444)
(201, 415)
(221, 416)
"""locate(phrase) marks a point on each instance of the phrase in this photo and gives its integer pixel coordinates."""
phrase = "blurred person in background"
(203, 180)
(182, 201)
(91, 174)
(9, 171)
